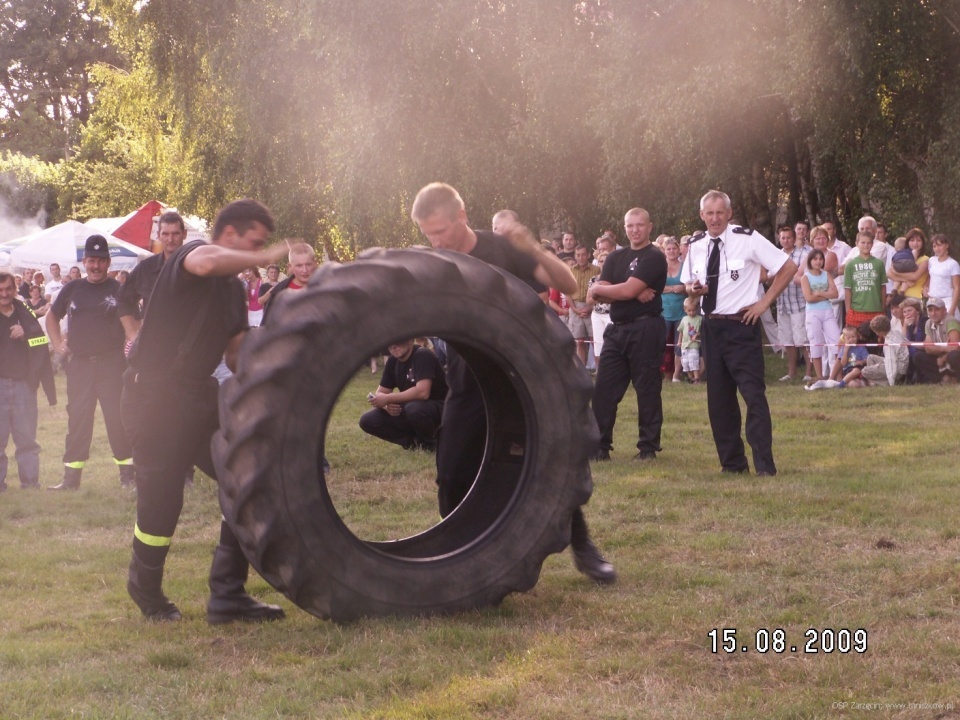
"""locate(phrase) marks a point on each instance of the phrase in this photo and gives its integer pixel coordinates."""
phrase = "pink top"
(253, 296)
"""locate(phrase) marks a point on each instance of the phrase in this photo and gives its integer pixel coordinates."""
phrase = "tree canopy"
(335, 113)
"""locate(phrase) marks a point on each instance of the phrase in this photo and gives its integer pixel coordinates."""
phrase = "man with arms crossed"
(632, 282)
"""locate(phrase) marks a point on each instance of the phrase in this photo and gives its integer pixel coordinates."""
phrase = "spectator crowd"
(883, 311)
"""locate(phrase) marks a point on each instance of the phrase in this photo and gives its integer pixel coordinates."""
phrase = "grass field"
(860, 530)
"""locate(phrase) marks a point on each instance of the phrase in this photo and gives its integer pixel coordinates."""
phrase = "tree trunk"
(808, 181)
(918, 167)
(794, 183)
(762, 217)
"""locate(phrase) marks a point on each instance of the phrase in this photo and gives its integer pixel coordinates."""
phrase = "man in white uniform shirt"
(723, 267)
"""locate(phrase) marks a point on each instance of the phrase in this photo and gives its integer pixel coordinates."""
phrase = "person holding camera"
(724, 266)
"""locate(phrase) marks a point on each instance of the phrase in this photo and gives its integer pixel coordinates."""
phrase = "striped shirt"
(791, 301)
(583, 281)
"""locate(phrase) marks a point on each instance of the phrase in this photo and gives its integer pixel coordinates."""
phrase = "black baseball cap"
(96, 247)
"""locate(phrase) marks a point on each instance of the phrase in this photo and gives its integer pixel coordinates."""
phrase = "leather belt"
(717, 316)
(636, 319)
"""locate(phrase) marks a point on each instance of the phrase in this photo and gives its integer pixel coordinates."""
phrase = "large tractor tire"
(535, 469)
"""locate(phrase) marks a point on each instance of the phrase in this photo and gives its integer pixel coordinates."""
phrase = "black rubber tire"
(535, 470)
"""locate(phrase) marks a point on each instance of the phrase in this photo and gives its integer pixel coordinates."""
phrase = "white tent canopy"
(63, 244)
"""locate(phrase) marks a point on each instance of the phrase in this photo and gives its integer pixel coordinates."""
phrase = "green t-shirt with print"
(865, 278)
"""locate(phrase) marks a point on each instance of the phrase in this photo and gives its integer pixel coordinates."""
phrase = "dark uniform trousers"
(632, 351)
(461, 442)
(90, 380)
(930, 371)
(170, 425)
(733, 354)
(417, 423)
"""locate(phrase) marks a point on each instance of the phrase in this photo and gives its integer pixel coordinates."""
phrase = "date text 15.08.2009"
(763, 640)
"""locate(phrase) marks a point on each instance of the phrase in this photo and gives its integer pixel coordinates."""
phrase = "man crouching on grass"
(410, 417)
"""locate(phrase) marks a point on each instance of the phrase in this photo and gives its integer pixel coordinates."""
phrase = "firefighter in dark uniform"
(197, 315)
(724, 266)
(439, 212)
(135, 292)
(24, 365)
(633, 344)
(94, 363)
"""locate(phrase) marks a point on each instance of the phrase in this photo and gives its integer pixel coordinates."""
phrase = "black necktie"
(713, 277)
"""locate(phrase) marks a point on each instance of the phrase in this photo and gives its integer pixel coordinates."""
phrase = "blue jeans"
(18, 417)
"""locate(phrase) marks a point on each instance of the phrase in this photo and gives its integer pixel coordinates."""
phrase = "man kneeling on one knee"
(410, 417)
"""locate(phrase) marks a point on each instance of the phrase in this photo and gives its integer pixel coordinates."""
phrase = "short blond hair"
(436, 197)
(300, 249)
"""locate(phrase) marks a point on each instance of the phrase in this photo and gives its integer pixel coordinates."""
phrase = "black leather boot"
(229, 600)
(71, 479)
(143, 585)
(586, 557)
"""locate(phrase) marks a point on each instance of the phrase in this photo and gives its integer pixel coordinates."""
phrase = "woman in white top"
(600, 315)
(944, 275)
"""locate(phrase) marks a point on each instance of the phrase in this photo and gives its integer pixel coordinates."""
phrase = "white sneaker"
(786, 378)
(817, 385)
(807, 378)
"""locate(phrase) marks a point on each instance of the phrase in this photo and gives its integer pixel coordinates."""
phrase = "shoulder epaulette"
(698, 236)
(742, 230)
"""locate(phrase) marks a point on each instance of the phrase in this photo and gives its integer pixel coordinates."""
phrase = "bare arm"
(777, 285)
(56, 337)
(831, 263)
(955, 300)
(550, 270)
(910, 277)
(131, 327)
(420, 391)
(629, 290)
(220, 261)
(554, 272)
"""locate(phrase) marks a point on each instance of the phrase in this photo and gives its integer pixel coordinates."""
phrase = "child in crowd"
(891, 367)
(864, 283)
(821, 322)
(688, 336)
(903, 261)
(851, 359)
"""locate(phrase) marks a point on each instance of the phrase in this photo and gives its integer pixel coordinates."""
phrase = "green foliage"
(336, 113)
(29, 186)
(46, 50)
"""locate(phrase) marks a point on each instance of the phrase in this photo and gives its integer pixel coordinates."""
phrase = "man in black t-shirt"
(632, 282)
(411, 416)
(135, 292)
(439, 212)
(95, 363)
(197, 315)
(24, 364)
